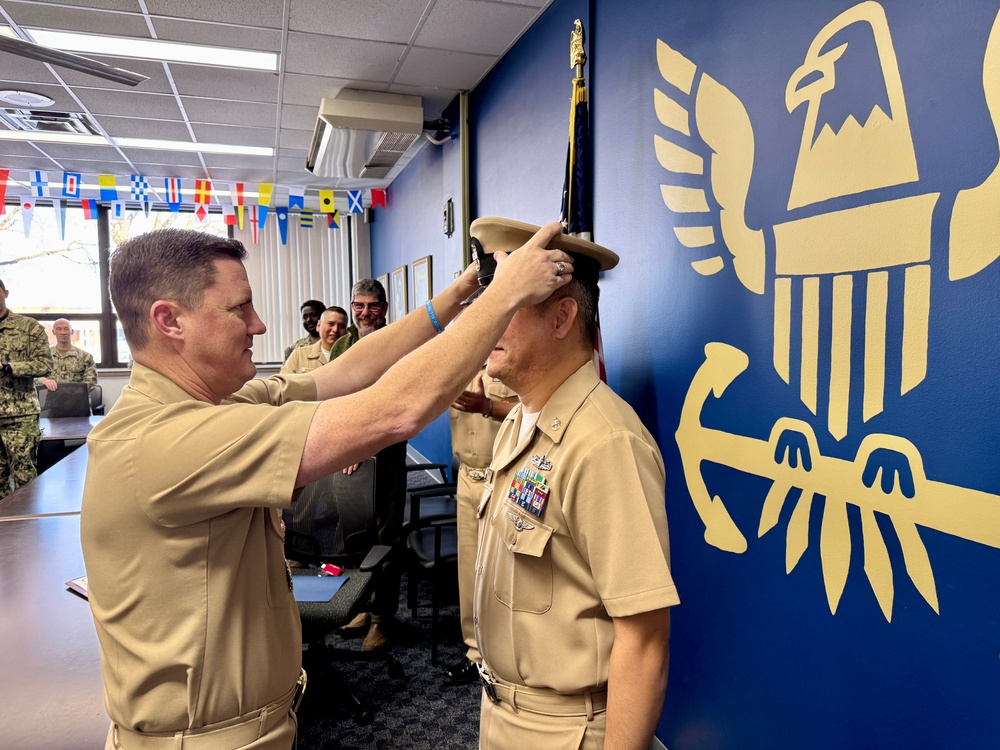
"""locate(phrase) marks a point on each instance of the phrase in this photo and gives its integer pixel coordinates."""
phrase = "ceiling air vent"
(365, 136)
(44, 120)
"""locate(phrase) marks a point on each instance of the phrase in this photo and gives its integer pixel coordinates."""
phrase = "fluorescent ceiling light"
(96, 140)
(46, 137)
(155, 49)
(205, 148)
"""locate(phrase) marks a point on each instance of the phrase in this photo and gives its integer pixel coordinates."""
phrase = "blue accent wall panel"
(806, 201)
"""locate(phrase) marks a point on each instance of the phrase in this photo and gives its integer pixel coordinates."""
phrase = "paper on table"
(317, 588)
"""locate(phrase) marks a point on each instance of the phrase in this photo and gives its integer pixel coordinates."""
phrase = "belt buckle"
(476, 475)
(300, 690)
(489, 685)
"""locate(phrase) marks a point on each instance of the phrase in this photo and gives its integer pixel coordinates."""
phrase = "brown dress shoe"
(356, 627)
(376, 639)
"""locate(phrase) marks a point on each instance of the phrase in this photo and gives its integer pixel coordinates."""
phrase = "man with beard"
(369, 308)
(312, 310)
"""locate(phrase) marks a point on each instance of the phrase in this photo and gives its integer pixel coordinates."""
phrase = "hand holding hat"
(530, 273)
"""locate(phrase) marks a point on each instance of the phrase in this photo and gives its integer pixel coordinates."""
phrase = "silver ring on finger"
(560, 268)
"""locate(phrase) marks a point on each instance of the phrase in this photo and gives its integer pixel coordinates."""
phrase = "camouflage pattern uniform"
(25, 348)
(306, 340)
(74, 366)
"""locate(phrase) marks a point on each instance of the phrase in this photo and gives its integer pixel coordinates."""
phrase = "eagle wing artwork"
(872, 261)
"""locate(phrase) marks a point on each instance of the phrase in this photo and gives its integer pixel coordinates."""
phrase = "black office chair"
(96, 400)
(68, 400)
(431, 538)
(333, 521)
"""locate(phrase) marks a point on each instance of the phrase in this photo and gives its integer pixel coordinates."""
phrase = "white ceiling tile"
(265, 13)
(217, 34)
(129, 103)
(16, 68)
(453, 70)
(341, 58)
(90, 167)
(134, 127)
(234, 136)
(156, 156)
(293, 153)
(73, 151)
(38, 15)
(18, 148)
(244, 174)
(235, 161)
(375, 20)
(157, 82)
(291, 163)
(157, 172)
(296, 177)
(482, 27)
(299, 118)
(299, 139)
(225, 83)
(310, 90)
(224, 112)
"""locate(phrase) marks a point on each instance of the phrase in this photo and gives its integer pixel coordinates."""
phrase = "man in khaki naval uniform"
(24, 355)
(180, 526)
(331, 327)
(573, 582)
(475, 419)
(70, 364)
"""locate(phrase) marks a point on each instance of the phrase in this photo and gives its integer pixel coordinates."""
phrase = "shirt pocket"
(523, 579)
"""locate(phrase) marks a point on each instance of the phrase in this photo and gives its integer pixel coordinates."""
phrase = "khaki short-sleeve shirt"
(472, 435)
(184, 553)
(549, 583)
(305, 359)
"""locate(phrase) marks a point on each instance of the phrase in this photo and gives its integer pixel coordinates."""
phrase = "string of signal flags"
(236, 199)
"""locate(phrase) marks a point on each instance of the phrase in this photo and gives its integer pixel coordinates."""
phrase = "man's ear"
(166, 319)
(564, 318)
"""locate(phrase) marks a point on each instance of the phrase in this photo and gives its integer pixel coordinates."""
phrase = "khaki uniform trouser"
(467, 498)
(273, 727)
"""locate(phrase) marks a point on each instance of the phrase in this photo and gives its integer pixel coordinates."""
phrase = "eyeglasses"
(359, 307)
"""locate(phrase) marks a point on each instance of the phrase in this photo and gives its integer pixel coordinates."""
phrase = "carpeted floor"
(417, 711)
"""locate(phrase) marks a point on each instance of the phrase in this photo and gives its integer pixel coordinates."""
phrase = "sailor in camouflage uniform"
(24, 355)
(70, 364)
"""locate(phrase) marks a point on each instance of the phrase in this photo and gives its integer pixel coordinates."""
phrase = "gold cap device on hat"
(493, 234)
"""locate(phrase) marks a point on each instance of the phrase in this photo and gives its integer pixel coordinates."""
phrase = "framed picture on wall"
(384, 281)
(422, 284)
(398, 297)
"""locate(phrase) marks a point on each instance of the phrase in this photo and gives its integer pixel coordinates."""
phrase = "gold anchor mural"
(861, 253)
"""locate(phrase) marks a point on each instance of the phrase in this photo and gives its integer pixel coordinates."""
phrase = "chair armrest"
(375, 557)
(434, 490)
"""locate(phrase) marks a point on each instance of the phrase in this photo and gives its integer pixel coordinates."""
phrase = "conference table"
(51, 692)
(67, 428)
(56, 491)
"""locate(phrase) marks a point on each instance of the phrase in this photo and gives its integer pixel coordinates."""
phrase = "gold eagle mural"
(875, 256)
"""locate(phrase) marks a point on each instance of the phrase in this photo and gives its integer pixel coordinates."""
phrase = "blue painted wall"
(411, 227)
(759, 660)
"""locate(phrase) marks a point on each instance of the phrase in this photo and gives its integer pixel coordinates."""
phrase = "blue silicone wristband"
(434, 318)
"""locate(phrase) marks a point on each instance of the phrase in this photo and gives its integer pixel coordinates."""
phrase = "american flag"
(577, 206)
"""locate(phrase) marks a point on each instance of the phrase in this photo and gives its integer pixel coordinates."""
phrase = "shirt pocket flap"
(522, 533)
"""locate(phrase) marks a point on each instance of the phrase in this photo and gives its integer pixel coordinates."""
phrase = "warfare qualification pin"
(541, 463)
